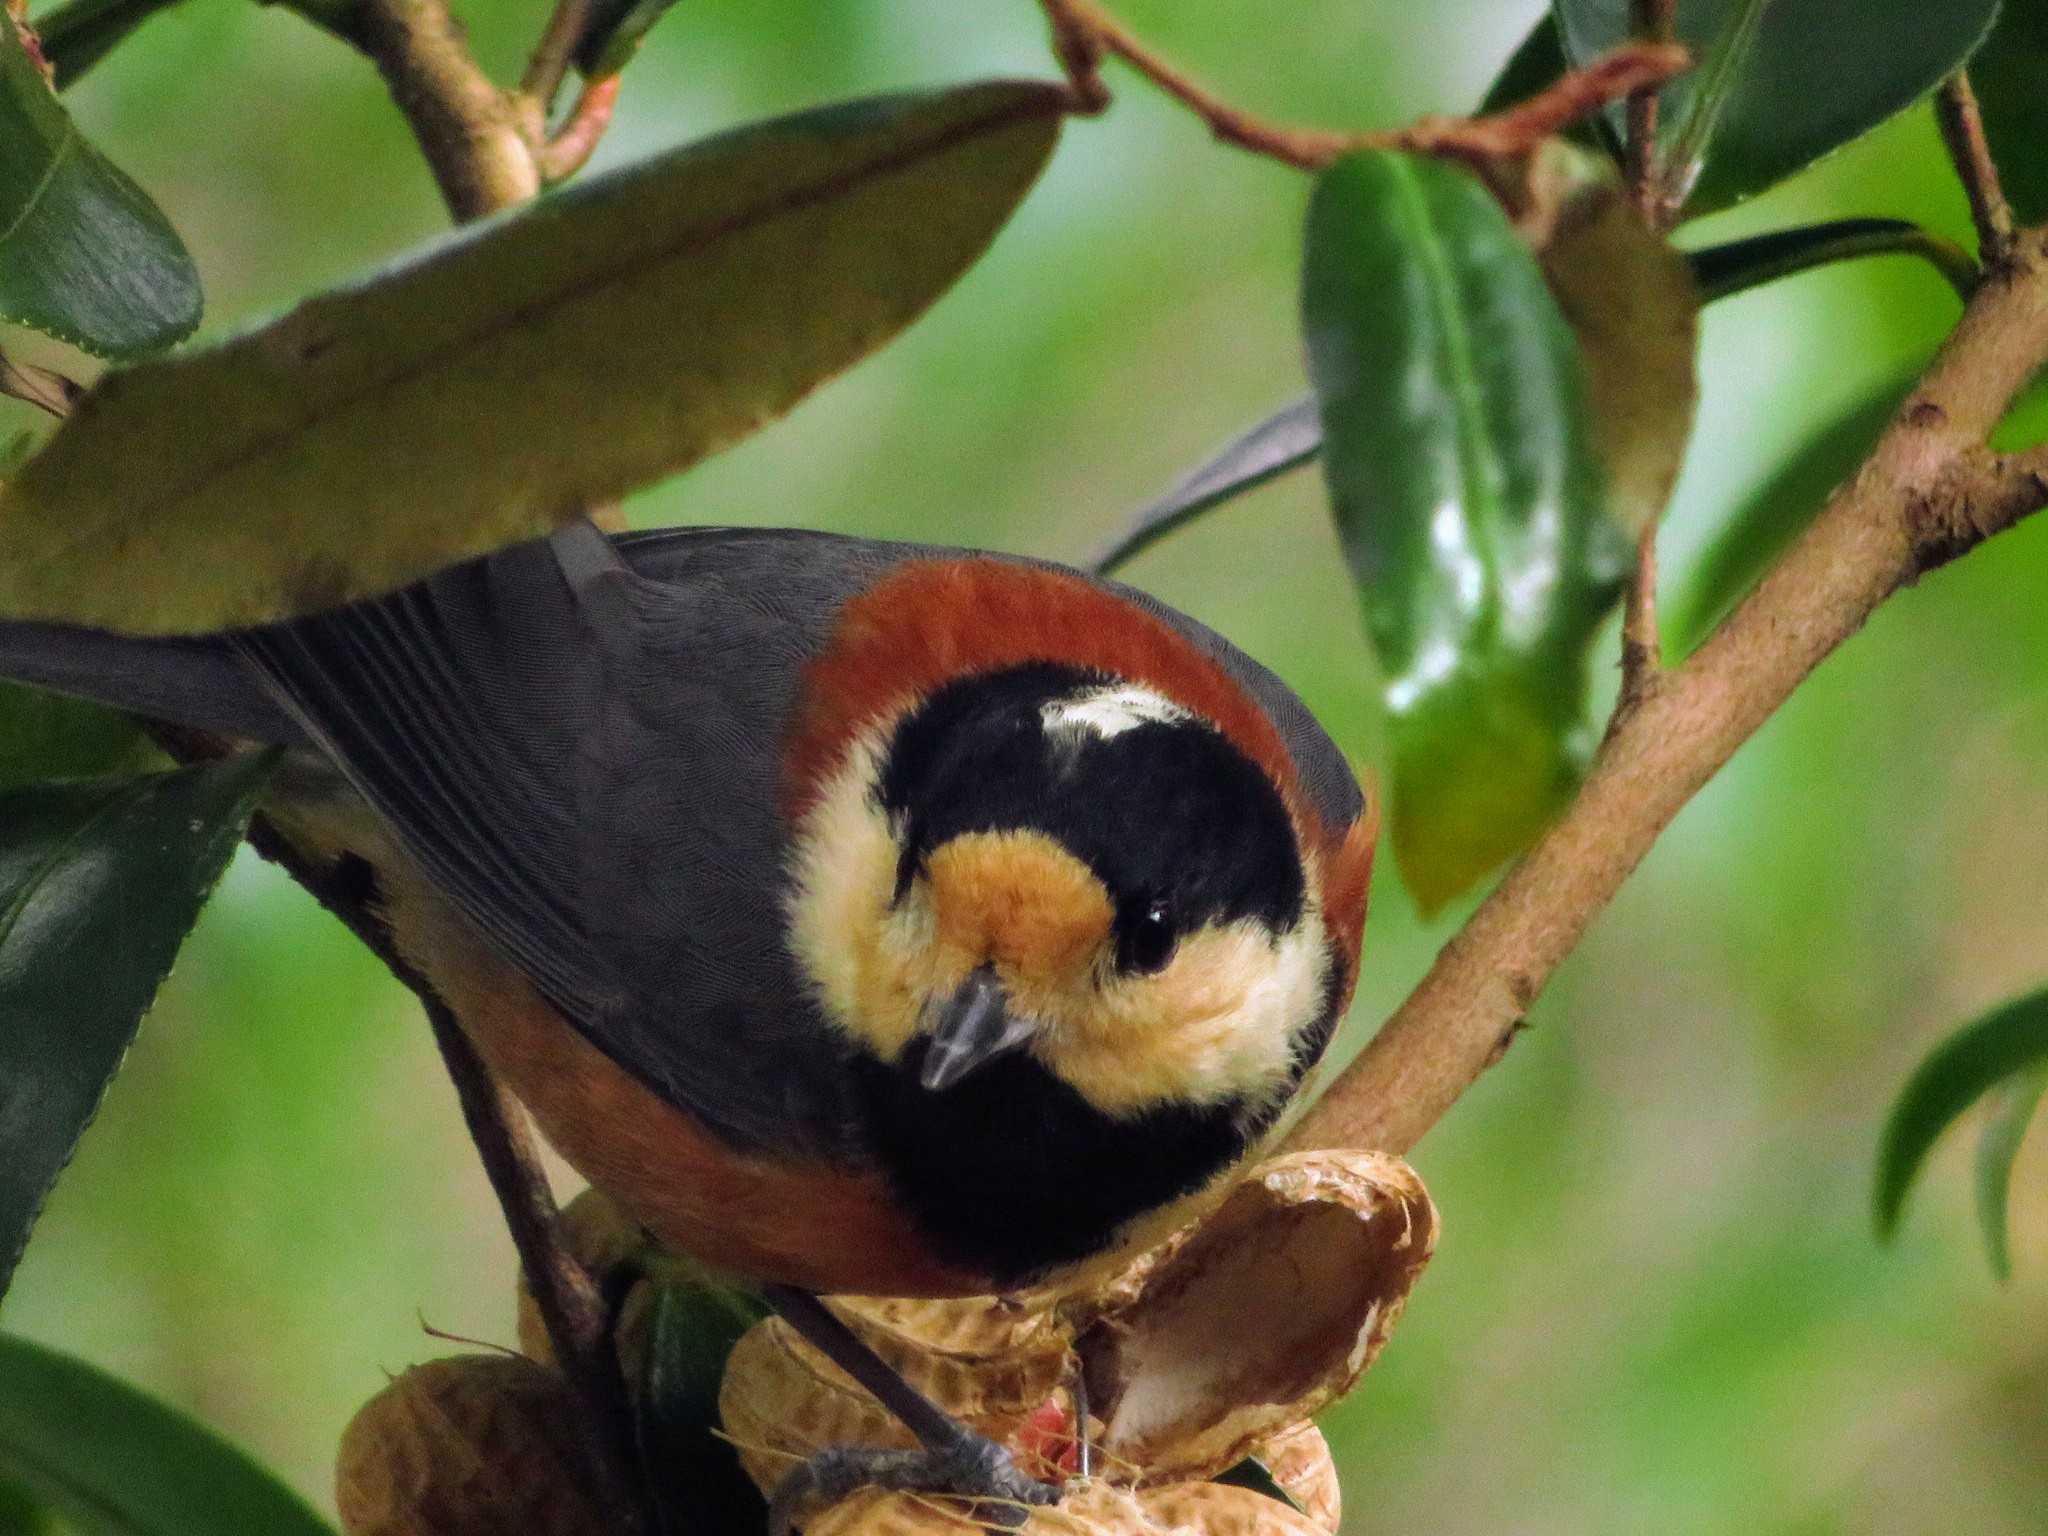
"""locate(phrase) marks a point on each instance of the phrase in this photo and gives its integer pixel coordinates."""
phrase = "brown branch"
(1084, 34)
(577, 139)
(1642, 647)
(548, 66)
(1653, 21)
(1929, 491)
(467, 128)
(1962, 129)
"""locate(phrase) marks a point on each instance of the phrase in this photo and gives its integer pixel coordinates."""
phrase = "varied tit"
(861, 917)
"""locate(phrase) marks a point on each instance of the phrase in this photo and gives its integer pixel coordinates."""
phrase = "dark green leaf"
(614, 33)
(1254, 1474)
(1285, 440)
(1780, 83)
(99, 883)
(22, 1514)
(2001, 1045)
(699, 1483)
(2007, 73)
(1770, 518)
(78, 35)
(605, 336)
(1724, 270)
(84, 254)
(116, 1463)
(1461, 462)
(46, 736)
(2012, 1112)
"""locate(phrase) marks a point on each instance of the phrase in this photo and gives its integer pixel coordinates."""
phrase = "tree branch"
(1084, 33)
(1929, 491)
(1962, 129)
(1653, 21)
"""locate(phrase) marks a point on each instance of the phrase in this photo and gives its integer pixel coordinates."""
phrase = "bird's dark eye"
(1145, 938)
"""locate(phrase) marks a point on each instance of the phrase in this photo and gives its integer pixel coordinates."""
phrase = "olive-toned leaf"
(99, 884)
(2004, 1044)
(1630, 300)
(1782, 82)
(2012, 1113)
(46, 736)
(84, 254)
(1462, 465)
(1285, 440)
(2007, 73)
(77, 35)
(478, 394)
(1771, 517)
(113, 1462)
(696, 1472)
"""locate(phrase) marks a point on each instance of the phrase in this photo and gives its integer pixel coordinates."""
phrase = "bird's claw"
(973, 1468)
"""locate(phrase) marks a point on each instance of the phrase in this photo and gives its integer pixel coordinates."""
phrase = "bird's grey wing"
(585, 758)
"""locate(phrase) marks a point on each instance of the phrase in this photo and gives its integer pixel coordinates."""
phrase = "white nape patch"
(1110, 711)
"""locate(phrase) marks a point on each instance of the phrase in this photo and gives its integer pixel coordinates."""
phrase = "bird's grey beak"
(974, 1027)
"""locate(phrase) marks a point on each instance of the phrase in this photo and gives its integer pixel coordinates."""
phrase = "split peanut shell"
(1300, 1462)
(474, 1445)
(1269, 1312)
(1091, 1509)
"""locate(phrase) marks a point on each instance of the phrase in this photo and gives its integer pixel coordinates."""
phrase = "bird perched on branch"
(860, 916)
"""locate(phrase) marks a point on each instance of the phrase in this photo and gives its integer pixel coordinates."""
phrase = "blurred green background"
(1657, 1305)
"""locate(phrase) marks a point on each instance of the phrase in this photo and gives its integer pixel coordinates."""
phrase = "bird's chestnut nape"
(1134, 881)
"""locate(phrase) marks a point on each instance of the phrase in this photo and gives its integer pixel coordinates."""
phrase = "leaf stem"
(1930, 491)
(1722, 270)
(577, 139)
(1084, 33)
(549, 65)
(77, 35)
(1962, 129)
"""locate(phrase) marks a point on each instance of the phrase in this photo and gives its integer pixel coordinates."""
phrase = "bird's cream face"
(889, 935)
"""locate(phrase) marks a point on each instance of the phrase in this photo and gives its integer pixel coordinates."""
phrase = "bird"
(861, 917)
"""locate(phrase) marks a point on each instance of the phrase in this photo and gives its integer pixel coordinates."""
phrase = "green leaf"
(1771, 517)
(2003, 1044)
(607, 335)
(696, 1471)
(1461, 463)
(22, 1514)
(2006, 74)
(1631, 302)
(116, 1463)
(1780, 83)
(99, 884)
(78, 35)
(2013, 1104)
(1287, 439)
(85, 256)
(46, 736)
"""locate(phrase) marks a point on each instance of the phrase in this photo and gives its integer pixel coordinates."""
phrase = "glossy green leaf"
(77, 35)
(84, 254)
(2006, 74)
(116, 1463)
(697, 1475)
(2012, 1113)
(23, 1514)
(1772, 516)
(46, 736)
(99, 884)
(605, 336)
(1631, 302)
(1779, 83)
(1287, 439)
(2007, 1042)
(1461, 463)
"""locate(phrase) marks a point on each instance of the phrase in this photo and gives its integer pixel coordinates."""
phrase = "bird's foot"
(972, 1467)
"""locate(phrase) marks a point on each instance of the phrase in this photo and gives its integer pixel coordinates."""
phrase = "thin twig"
(577, 139)
(1653, 21)
(549, 64)
(1642, 648)
(1084, 34)
(1929, 491)
(44, 388)
(1962, 129)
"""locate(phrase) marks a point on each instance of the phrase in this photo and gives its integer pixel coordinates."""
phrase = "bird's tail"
(200, 681)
